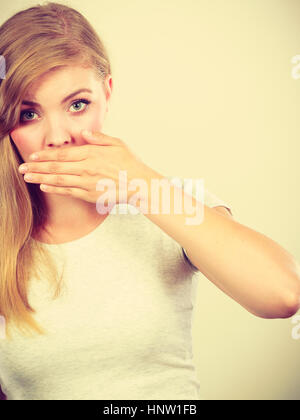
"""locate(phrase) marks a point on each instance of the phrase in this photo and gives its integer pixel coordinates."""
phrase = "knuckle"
(89, 171)
(59, 180)
(121, 142)
(53, 167)
(61, 154)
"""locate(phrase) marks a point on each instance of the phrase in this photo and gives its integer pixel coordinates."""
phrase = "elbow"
(291, 305)
(292, 299)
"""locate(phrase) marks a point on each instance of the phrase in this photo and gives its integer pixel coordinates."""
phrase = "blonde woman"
(117, 324)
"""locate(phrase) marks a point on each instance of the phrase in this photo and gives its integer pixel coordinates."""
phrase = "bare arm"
(248, 266)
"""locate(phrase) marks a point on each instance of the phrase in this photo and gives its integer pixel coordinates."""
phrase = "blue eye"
(85, 101)
(26, 112)
(31, 111)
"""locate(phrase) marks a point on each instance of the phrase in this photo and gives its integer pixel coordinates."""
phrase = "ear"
(108, 87)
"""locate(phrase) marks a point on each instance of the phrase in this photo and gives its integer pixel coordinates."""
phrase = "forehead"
(64, 79)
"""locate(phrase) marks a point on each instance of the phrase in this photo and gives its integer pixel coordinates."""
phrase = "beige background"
(204, 88)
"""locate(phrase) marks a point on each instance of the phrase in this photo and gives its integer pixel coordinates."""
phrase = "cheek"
(24, 143)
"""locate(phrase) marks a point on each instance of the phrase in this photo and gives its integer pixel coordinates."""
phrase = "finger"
(58, 180)
(72, 168)
(101, 139)
(62, 155)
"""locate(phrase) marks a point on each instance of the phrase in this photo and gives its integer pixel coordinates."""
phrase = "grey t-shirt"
(121, 329)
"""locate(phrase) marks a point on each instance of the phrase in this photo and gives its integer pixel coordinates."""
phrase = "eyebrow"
(32, 103)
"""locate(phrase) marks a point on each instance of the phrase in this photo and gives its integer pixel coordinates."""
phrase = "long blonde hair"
(32, 42)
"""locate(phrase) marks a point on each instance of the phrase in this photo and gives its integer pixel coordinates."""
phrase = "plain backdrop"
(206, 89)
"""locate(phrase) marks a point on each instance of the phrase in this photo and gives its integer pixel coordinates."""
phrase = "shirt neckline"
(80, 240)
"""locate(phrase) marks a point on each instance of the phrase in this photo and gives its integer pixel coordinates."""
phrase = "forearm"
(248, 266)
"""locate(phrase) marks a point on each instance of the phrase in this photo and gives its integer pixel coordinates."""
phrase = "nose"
(57, 138)
(58, 143)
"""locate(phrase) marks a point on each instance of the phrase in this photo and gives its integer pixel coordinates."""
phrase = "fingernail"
(34, 156)
(23, 168)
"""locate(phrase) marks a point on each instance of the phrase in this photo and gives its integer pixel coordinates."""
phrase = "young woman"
(118, 323)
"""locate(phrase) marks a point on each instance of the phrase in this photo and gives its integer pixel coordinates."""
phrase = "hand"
(75, 171)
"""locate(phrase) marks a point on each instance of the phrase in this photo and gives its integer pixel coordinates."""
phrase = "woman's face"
(58, 115)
